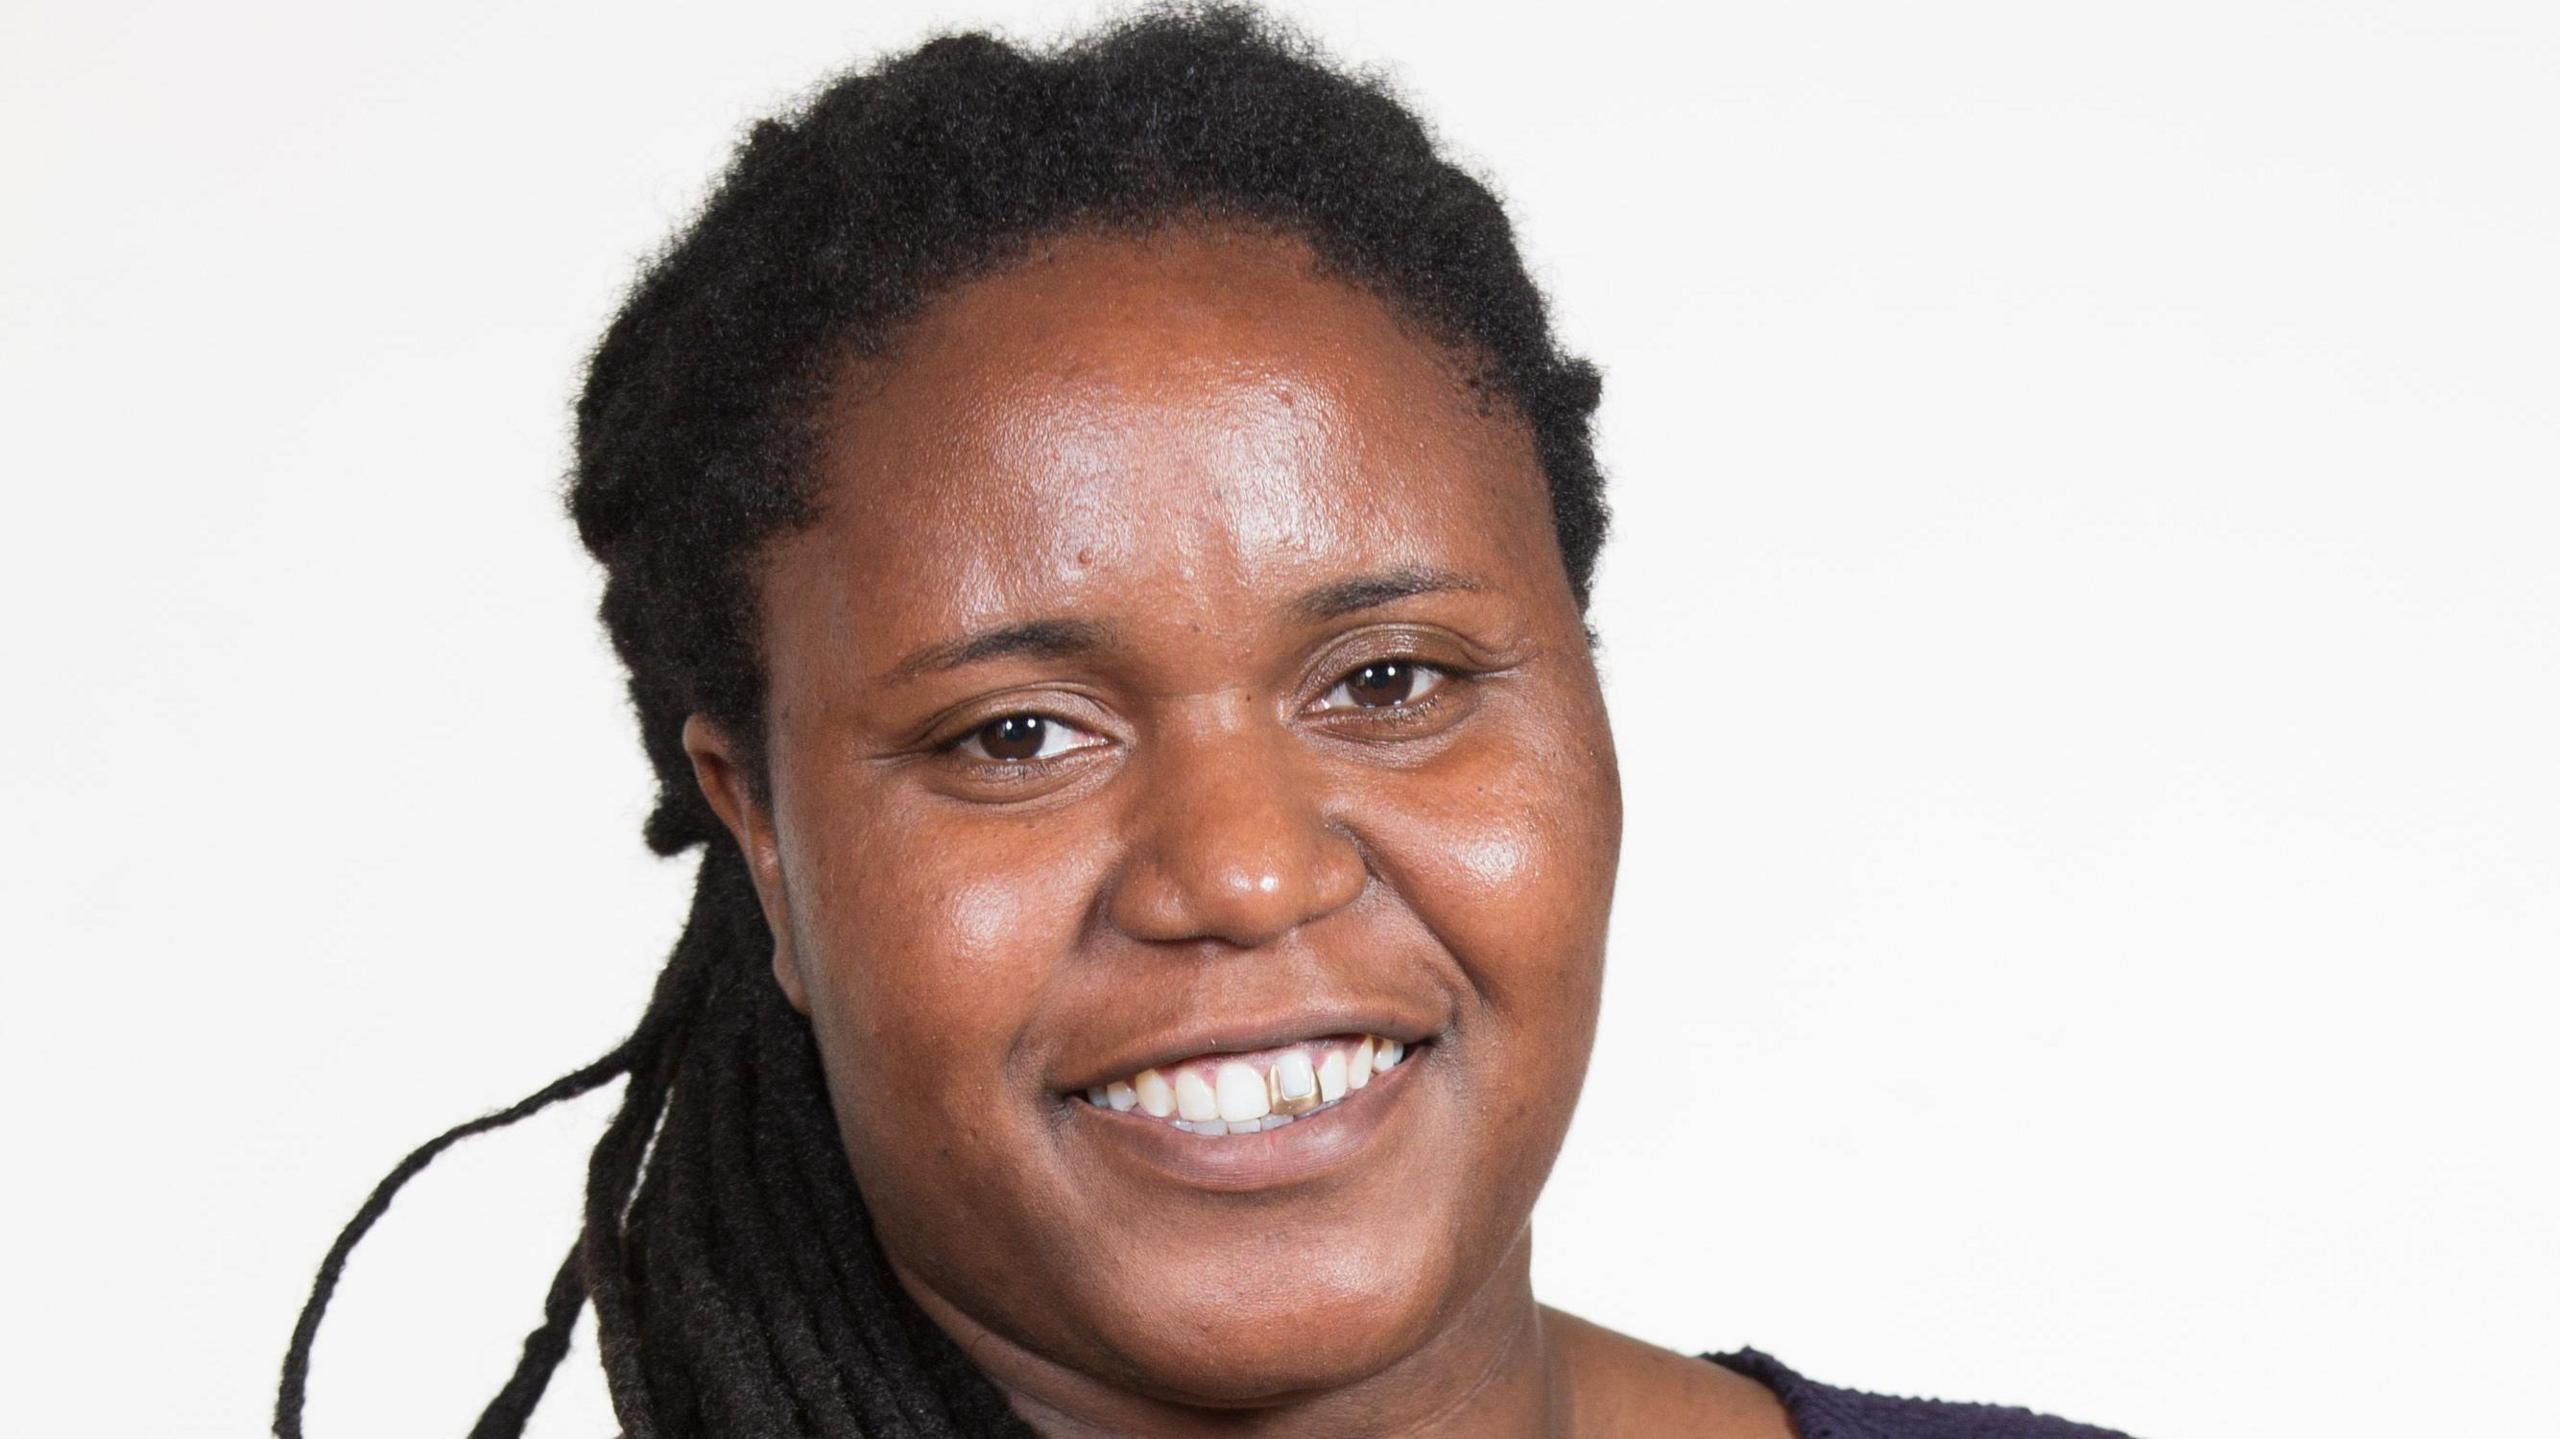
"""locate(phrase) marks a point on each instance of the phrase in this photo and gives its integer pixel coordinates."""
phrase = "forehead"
(1191, 421)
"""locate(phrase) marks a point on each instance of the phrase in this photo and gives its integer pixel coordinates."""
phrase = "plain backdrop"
(2083, 634)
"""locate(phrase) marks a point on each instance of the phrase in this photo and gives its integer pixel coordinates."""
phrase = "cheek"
(927, 950)
(1511, 858)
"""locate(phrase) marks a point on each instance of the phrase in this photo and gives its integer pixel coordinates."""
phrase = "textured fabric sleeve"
(1820, 1411)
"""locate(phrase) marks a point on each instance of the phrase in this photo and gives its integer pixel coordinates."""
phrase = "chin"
(1269, 1319)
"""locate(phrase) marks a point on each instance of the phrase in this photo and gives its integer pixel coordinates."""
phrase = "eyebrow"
(1059, 638)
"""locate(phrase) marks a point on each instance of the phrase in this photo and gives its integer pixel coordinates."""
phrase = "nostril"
(1241, 863)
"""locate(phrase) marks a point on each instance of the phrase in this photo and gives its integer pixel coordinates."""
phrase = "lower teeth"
(1215, 1127)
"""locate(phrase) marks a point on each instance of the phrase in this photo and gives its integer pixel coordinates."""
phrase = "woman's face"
(1182, 683)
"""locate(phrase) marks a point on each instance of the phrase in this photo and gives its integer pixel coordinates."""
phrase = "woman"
(1100, 543)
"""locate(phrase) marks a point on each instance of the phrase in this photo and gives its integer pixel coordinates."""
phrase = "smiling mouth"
(1218, 1095)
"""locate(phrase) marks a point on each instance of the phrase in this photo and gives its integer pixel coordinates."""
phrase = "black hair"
(737, 1284)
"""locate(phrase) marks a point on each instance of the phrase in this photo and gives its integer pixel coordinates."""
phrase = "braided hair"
(737, 1284)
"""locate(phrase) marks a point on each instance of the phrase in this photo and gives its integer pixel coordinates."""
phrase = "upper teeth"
(1240, 1094)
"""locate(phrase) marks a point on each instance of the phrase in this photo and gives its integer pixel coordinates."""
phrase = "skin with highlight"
(1185, 500)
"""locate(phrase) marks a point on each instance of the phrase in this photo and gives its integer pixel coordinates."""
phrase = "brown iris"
(1015, 737)
(1388, 682)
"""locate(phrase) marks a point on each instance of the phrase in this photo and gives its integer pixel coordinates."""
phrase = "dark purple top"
(1822, 1412)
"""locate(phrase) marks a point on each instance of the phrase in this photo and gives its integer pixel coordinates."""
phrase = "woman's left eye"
(1384, 684)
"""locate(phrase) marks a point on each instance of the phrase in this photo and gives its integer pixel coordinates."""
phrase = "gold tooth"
(1282, 1105)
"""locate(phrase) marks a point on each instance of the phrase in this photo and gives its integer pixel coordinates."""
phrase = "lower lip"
(1310, 1147)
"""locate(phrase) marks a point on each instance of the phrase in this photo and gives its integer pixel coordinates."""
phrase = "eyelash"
(1406, 712)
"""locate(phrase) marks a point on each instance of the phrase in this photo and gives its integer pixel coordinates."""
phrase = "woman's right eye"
(1021, 738)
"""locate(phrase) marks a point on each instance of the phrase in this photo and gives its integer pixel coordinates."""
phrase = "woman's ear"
(723, 778)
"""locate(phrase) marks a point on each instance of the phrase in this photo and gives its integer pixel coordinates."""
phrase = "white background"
(2083, 634)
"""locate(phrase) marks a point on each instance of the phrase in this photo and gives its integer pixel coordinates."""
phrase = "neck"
(1492, 1372)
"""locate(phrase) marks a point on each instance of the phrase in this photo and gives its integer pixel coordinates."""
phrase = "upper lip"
(1239, 1035)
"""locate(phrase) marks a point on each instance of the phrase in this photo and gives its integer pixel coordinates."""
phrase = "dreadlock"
(738, 1287)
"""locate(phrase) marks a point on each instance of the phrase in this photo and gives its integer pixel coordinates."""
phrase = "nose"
(1233, 842)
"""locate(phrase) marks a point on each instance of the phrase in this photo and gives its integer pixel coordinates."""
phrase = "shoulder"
(1820, 1411)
